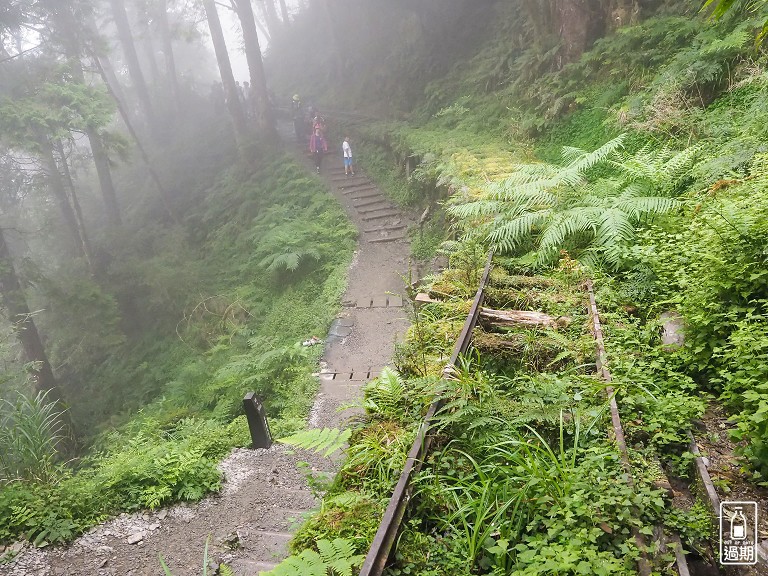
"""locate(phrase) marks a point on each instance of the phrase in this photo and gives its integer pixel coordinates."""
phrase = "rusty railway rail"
(617, 433)
(381, 547)
(385, 536)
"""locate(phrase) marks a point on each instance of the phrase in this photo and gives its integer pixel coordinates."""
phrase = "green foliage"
(332, 558)
(30, 432)
(384, 395)
(562, 210)
(326, 440)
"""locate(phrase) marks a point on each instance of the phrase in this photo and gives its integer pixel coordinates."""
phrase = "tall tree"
(225, 69)
(15, 303)
(259, 100)
(575, 24)
(270, 16)
(284, 12)
(131, 58)
(170, 62)
(56, 186)
(63, 162)
(65, 33)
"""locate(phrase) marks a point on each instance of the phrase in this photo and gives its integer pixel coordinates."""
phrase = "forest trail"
(265, 495)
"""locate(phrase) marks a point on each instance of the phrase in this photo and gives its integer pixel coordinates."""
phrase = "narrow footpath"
(265, 495)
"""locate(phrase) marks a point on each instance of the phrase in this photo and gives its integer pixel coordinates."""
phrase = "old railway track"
(383, 542)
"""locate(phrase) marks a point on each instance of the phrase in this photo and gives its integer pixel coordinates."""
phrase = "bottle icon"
(738, 525)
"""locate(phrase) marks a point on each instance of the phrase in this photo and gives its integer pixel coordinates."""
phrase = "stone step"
(371, 208)
(388, 239)
(347, 190)
(385, 228)
(386, 214)
(358, 195)
(367, 203)
(353, 182)
(349, 179)
(383, 301)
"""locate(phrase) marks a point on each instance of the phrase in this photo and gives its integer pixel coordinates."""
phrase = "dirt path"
(265, 496)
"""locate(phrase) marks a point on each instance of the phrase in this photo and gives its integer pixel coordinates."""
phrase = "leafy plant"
(332, 558)
(326, 440)
(30, 432)
(560, 208)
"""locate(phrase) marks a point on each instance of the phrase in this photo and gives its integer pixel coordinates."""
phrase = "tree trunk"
(263, 29)
(84, 242)
(580, 23)
(101, 160)
(18, 312)
(284, 12)
(170, 62)
(132, 59)
(56, 185)
(273, 24)
(337, 47)
(150, 55)
(225, 69)
(259, 100)
(100, 157)
(129, 125)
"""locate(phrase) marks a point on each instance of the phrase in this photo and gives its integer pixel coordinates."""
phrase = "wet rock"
(135, 538)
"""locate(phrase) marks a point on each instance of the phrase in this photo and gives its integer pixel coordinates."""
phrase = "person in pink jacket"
(318, 146)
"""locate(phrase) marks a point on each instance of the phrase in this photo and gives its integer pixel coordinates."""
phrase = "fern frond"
(590, 159)
(308, 563)
(384, 395)
(507, 235)
(563, 226)
(327, 440)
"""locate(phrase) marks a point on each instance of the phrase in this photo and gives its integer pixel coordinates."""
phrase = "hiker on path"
(347, 151)
(318, 146)
(318, 123)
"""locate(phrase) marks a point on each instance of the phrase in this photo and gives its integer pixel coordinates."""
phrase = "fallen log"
(523, 318)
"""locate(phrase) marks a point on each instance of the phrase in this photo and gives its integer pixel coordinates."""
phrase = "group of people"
(318, 145)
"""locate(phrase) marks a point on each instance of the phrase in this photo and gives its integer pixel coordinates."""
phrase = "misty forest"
(494, 273)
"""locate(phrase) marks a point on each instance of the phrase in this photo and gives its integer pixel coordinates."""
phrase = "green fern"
(333, 558)
(327, 440)
(556, 207)
(384, 395)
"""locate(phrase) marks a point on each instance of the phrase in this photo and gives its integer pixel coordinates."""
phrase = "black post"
(257, 421)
